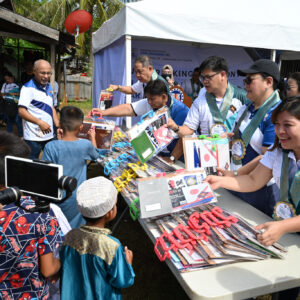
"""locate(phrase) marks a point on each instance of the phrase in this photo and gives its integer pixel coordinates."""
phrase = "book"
(208, 153)
(173, 192)
(104, 133)
(150, 136)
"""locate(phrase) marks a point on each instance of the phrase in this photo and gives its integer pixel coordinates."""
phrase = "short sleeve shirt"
(200, 117)
(138, 87)
(273, 160)
(38, 101)
(24, 237)
(264, 135)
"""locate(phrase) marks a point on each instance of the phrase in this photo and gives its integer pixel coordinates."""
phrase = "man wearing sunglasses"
(218, 103)
(37, 110)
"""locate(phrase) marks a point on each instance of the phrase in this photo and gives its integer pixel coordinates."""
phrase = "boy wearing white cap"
(94, 264)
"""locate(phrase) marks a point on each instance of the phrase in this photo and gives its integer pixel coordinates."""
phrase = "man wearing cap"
(218, 103)
(90, 254)
(253, 129)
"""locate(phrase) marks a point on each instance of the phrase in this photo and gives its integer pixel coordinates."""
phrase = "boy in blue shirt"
(90, 255)
(72, 153)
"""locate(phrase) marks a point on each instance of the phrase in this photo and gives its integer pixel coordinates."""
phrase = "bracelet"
(177, 129)
(235, 173)
(118, 87)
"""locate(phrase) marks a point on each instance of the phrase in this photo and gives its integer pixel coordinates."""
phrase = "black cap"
(262, 66)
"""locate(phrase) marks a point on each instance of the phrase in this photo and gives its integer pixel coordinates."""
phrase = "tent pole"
(128, 72)
(273, 55)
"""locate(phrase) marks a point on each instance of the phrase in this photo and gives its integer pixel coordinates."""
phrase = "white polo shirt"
(138, 87)
(273, 160)
(200, 116)
(38, 101)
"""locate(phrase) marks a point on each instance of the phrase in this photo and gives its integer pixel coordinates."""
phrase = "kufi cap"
(96, 197)
(262, 66)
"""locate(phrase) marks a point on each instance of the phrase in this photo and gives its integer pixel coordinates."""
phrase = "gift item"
(105, 99)
(208, 236)
(206, 152)
(104, 133)
(165, 194)
(150, 136)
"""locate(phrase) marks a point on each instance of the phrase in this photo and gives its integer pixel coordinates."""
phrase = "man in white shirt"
(144, 72)
(37, 110)
(218, 103)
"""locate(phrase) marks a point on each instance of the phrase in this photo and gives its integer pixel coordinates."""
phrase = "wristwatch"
(172, 158)
(235, 173)
(177, 129)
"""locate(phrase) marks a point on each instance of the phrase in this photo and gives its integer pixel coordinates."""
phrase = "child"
(27, 240)
(94, 264)
(10, 92)
(72, 153)
(281, 162)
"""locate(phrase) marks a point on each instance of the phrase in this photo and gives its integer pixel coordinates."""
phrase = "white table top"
(245, 279)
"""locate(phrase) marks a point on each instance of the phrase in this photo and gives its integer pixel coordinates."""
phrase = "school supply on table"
(208, 236)
(169, 193)
(206, 152)
(150, 136)
(104, 132)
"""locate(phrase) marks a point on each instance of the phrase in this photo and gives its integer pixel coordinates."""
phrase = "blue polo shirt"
(38, 100)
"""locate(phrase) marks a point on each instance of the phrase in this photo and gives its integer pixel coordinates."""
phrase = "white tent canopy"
(184, 33)
(256, 23)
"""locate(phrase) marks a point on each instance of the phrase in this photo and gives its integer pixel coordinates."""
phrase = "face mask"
(165, 76)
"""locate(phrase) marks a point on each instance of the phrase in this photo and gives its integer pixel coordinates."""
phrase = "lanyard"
(257, 119)
(219, 115)
(289, 194)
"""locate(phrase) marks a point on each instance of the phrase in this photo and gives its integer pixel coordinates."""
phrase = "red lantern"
(78, 21)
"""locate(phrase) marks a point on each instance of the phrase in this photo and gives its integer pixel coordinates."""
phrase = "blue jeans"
(36, 148)
(10, 123)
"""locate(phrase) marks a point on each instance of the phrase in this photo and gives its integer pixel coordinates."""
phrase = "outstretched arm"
(244, 183)
(122, 110)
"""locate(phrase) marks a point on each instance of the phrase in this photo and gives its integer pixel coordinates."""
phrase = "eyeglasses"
(248, 80)
(208, 77)
(45, 73)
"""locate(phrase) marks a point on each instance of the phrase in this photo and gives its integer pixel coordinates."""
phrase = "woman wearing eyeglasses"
(253, 131)
(293, 85)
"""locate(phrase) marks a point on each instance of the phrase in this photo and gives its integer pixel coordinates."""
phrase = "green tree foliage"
(54, 12)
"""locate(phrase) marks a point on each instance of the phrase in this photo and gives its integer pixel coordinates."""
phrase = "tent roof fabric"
(256, 23)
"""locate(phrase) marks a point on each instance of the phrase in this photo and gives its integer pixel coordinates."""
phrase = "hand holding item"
(273, 231)
(114, 87)
(95, 112)
(172, 125)
(92, 133)
(129, 255)
(215, 182)
(223, 172)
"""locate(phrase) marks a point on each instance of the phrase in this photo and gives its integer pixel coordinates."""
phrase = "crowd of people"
(265, 161)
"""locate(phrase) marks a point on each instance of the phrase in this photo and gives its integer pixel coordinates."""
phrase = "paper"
(150, 136)
(104, 133)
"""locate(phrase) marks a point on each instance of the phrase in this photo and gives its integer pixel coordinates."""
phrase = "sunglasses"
(248, 80)
(208, 77)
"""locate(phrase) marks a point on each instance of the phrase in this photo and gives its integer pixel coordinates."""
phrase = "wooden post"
(52, 63)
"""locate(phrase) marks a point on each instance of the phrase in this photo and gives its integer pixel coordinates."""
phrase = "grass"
(85, 106)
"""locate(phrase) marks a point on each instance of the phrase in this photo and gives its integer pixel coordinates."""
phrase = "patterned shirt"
(25, 236)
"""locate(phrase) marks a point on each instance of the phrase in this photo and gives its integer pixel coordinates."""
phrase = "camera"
(40, 179)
